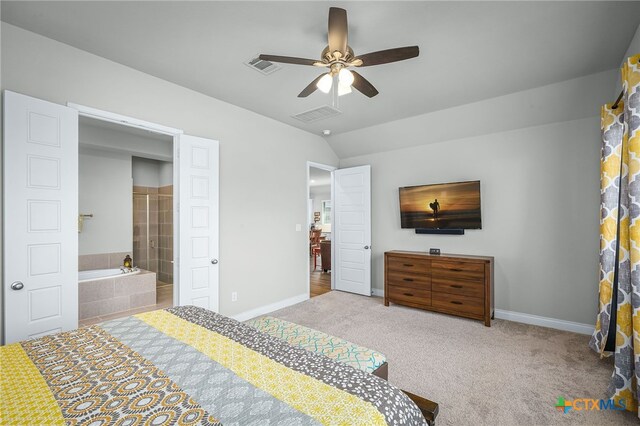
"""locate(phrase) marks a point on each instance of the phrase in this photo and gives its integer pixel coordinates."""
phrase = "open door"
(352, 229)
(198, 222)
(40, 218)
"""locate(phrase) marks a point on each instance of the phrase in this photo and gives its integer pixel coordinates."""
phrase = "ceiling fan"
(338, 57)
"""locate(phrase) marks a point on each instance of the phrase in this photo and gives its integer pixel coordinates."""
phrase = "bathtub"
(105, 292)
(103, 274)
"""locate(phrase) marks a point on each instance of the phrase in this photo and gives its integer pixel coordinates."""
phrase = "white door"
(198, 218)
(40, 217)
(352, 229)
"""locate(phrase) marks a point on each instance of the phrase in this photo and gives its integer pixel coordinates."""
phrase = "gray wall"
(634, 46)
(540, 197)
(632, 50)
(257, 154)
(104, 183)
(540, 200)
(537, 154)
(152, 173)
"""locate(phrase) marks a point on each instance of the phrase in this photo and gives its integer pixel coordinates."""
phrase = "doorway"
(319, 224)
(125, 222)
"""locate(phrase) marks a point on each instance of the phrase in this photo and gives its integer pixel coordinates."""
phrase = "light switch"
(298, 227)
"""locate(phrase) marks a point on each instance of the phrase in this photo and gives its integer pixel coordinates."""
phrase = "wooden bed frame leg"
(428, 408)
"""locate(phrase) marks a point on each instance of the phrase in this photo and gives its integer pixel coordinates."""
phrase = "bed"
(187, 365)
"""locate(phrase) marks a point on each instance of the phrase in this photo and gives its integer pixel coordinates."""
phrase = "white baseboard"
(252, 313)
(558, 324)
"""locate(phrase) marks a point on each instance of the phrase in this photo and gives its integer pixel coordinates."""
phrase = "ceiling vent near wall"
(316, 114)
(264, 67)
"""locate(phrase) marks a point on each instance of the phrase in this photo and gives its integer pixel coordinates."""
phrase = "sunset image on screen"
(450, 205)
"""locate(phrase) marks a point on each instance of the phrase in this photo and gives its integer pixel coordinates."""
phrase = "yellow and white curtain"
(620, 239)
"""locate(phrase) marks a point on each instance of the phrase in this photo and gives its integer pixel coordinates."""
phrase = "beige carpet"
(509, 374)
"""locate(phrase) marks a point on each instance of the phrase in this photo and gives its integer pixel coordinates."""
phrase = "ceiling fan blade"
(311, 87)
(338, 30)
(363, 85)
(287, 60)
(390, 55)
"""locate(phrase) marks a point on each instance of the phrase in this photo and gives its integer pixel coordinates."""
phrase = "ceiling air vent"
(316, 114)
(264, 67)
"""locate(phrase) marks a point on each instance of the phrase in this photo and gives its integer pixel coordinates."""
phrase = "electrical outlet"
(234, 296)
(298, 227)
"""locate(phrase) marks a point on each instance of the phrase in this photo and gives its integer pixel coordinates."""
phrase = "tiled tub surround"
(88, 262)
(109, 296)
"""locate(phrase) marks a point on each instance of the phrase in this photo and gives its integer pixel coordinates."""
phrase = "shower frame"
(148, 231)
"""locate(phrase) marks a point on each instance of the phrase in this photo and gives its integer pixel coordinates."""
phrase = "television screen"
(441, 206)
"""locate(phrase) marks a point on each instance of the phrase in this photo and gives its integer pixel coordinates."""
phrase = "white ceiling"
(470, 51)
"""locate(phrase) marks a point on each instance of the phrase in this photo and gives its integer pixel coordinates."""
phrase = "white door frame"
(309, 213)
(123, 120)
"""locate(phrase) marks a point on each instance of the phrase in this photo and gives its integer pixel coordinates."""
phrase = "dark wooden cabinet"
(448, 283)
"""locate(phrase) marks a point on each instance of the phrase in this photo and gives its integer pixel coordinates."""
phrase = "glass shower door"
(145, 231)
(153, 231)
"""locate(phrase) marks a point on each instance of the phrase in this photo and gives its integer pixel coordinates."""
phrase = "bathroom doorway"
(126, 232)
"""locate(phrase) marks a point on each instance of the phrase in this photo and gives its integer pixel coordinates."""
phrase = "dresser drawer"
(453, 302)
(408, 265)
(448, 283)
(444, 284)
(410, 295)
(407, 279)
(458, 270)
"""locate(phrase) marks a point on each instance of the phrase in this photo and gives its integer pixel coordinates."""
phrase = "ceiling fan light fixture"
(343, 89)
(345, 77)
(337, 56)
(325, 83)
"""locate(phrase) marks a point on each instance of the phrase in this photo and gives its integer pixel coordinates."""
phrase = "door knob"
(214, 261)
(17, 286)
(366, 247)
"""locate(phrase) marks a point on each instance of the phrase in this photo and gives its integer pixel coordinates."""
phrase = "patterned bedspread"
(187, 365)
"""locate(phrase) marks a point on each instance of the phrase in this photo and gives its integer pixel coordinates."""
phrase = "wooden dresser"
(448, 283)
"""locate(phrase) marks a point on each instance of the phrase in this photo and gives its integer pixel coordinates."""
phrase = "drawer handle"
(456, 286)
(455, 302)
(408, 294)
(456, 269)
(408, 264)
(408, 279)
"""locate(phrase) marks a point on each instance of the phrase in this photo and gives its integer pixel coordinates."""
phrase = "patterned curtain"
(617, 328)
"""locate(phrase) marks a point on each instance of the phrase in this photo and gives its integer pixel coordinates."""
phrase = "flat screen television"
(441, 206)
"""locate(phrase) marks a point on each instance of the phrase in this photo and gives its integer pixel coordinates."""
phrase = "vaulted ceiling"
(469, 51)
